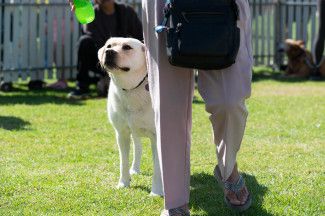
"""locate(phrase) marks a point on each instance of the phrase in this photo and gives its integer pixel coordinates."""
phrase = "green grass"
(58, 157)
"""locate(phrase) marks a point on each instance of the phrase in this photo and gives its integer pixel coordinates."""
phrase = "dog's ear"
(289, 41)
(100, 53)
(301, 43)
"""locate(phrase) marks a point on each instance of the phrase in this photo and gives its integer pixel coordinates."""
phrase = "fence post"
(1, 36)
(278, 28)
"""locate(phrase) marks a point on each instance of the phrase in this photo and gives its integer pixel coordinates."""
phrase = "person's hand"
(71, 5)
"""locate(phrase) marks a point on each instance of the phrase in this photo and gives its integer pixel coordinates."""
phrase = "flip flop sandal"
(176, 212)
(234, 187)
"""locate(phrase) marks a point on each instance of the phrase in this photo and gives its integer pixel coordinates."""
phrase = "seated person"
(111, 20)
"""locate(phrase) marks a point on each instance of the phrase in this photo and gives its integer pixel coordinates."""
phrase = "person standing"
(224, 92)
(319, 40)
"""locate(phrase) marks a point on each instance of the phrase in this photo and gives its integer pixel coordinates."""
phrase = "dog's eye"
(109, 46)
(126, 47)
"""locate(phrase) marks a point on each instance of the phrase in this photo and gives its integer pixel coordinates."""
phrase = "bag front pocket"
(206, 40)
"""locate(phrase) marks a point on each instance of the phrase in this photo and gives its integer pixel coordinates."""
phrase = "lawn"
(59, 157)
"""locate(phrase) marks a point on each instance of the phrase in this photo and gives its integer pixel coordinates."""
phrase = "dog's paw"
(156, 194)
(134, 171)
(123, 184)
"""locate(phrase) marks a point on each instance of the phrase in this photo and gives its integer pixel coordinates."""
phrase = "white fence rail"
(276, 20)
(38, 37)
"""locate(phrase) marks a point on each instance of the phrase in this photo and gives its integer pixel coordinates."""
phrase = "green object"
(84, 11)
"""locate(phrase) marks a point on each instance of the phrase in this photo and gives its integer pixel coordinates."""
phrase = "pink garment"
(223, 91)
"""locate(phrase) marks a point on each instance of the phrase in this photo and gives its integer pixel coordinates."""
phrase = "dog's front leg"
(123, 142)
(157, 188)
(137, 152)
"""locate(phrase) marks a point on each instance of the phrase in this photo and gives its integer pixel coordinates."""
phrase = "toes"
(241, 199)
(232, 198)
(243, 196)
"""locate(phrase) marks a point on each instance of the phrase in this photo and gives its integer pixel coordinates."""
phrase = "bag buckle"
(161, 28)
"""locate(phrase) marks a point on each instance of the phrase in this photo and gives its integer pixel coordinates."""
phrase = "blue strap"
(235, 187)
(163, 26)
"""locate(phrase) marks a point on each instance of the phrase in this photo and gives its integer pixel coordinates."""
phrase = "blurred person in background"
(111, 20)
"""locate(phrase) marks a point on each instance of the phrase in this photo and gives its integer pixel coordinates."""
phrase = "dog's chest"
(132, 109)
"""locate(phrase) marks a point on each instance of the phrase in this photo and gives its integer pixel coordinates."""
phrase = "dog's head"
(122, 55)
(294, 48)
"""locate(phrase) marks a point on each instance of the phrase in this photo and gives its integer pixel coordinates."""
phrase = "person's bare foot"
(242, 196)
(180, 211)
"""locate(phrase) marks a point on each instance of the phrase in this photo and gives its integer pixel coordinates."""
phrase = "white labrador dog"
(129, 105)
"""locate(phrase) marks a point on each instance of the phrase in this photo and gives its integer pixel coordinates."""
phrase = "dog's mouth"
(113, 66)
(110, 63)
(126, 69)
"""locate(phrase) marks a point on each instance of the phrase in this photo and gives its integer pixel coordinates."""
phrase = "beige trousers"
(223, 91)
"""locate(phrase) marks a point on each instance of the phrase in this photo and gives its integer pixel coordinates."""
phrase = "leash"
(163, 26)
(311, 65)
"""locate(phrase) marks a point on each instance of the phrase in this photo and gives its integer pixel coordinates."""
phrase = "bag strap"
(163, 27)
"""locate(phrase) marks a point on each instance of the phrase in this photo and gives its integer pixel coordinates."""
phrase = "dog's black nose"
(110, 53)
(110, 58)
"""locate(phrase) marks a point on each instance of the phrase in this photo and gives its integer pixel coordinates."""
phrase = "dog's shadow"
(13, 123)
(207, 196)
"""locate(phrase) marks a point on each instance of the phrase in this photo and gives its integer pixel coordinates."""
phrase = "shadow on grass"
(196, 100)
(20, 94)
(208, 197)
(37, 97)
(13, 123)
(261, 74)
(142, 188)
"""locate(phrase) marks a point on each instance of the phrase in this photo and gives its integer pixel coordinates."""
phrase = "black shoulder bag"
(201, 34)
